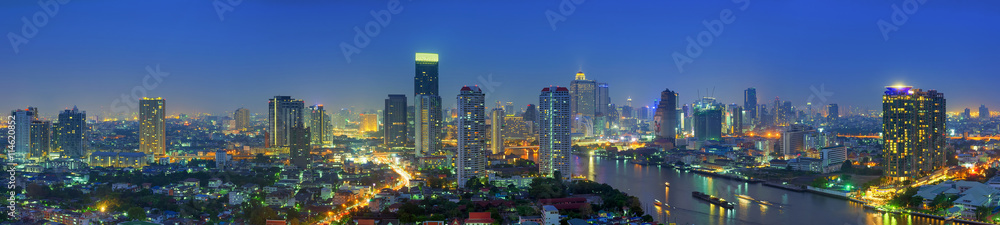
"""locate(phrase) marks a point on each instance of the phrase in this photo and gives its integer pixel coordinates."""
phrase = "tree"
(847, 167)
(260, 158)
(916, 202)
(136, 214)
(819, 182)
(473, 183)
(982, 212)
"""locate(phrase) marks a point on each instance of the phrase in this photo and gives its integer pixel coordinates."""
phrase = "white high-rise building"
(471, 123)
(554, 132)
(22, 135)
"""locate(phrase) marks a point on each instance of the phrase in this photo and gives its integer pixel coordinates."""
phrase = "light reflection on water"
(647, 183)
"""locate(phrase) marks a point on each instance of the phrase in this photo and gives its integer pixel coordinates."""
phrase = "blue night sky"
(89, 53)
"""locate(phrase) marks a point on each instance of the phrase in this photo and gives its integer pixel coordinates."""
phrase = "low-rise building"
(550, 215)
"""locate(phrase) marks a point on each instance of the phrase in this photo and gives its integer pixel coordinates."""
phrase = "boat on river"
(714, 200)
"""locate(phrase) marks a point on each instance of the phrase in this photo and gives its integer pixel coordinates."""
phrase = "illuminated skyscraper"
(70, 133)
(603, 99)
(427, 124)
(496, 131)
(319, 125)
(41, 139)
(583, 100)
(425, 82)
(299, 150)
(708, 120)
(283, 114)
(242, 118)
(427, 105)
(369, 122)
(554, 132)
(913, 127)
(735, 119)
(471, 124)
(394, 121)
(152, 126)
(984, 112)
(750, 104)
(666, 118)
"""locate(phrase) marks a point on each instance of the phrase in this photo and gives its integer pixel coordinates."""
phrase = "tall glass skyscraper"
(70, 133)
(425, 82)
(554, 138)
(583, 101)
(319, 125)
(283, 114)
(427, 105)
(394, 121)
(913, 127)
(750, 104)
(152, 126)
(471, 145)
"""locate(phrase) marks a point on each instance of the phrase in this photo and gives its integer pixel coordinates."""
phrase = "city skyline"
(857, 67)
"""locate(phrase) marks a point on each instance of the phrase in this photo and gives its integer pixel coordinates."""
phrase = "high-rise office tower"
(666, 118)
(242, 119)
(41, 139)
(583, 100)
(426, 104)
(913, 127)
(299, 150)
(496, 131)
(832, 112)
(984, 112)
(71, 133)
(318, 125)
(750, 104)
(425, 82)
(471, 124)
(603, 99)
(967, 114)
(427, 124)
(283, 114)
(554, 132)
(22, 135)
(394, 121)
(152, 126)
(369, 122)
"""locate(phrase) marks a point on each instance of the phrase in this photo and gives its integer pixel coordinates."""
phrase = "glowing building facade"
(913, 127)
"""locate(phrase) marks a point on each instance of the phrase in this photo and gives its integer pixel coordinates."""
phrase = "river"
(647, 183)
